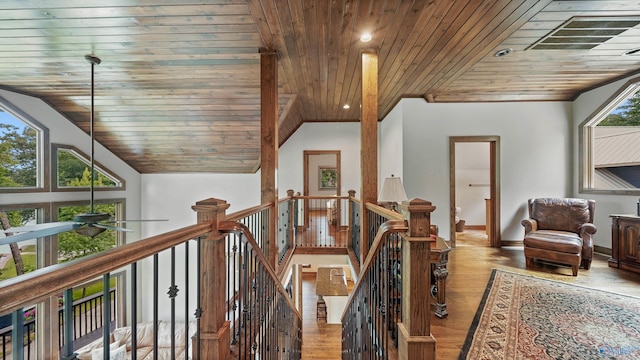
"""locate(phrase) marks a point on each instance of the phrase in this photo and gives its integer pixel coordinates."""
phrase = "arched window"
(23, 151)
(72, 171)
(610, 146)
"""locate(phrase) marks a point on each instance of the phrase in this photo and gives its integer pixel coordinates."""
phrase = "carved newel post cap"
(210, 204)
(417, 213)
(290, 192)
(416, 205)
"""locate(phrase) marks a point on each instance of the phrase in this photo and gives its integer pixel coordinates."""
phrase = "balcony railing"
(193, 274)
(388, 312)
(219, 275)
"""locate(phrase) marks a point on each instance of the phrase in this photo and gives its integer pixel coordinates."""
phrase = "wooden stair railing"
(207, 302)
(366, 327)
(265, 323)
(389, 306)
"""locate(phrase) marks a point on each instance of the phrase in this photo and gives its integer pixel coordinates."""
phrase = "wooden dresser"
(625, 239)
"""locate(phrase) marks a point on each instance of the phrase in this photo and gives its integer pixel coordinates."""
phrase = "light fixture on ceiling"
(503, 52)
(392, 192)
(366, 37)
(346, 106)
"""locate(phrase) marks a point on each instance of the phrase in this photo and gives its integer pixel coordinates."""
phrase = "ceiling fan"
(88, 224)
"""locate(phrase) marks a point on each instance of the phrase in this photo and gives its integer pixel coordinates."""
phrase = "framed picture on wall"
(327, 178)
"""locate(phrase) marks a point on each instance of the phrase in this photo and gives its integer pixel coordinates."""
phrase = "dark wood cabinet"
(625, 242)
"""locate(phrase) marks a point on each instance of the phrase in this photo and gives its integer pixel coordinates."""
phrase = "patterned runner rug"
(524, 317)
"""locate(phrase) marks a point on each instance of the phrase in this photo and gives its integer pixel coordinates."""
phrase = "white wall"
(583, 107)
(390, 146)
(535, 153)
(170, 196)
(320, 136)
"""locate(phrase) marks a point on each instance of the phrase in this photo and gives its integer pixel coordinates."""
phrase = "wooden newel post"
(214, 328)
(415, 339)
(292, 219)
(352, 194)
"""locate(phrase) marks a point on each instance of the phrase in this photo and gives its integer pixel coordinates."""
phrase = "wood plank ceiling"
(178, 87)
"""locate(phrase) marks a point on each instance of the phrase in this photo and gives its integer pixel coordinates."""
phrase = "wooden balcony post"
(369, 145)
(352, 194)
(269, 146)
(414, 332)
(292, 217)
(214, 328)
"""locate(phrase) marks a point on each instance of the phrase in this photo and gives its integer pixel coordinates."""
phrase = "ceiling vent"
(583, 33)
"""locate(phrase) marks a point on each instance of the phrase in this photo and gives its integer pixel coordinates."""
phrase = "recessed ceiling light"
(503, 52)
(365, 37)
(346, 106)
(635, 51)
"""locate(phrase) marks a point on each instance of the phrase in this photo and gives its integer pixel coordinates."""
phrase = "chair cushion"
(560, 241)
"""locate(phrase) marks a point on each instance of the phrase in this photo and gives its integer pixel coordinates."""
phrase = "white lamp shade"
(392, 190)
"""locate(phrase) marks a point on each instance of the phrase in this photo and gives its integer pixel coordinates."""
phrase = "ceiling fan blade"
(109, 227)
(126, 221)
(51, 230)
(36, 227)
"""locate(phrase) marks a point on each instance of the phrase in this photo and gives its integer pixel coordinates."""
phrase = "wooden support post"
(352, 194)
(269, 145)
(214, 328)
(369, 144)
(415, 341)
(292, 219)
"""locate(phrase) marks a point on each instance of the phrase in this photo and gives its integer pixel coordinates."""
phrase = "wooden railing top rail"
(386, 213)
(246, 212)
(235, 226)
(34, 286)
(317, 197)
(390, 226)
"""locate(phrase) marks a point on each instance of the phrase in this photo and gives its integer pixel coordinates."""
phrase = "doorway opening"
(322, 179)
(474, 183)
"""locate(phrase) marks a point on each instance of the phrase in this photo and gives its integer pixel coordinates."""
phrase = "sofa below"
(121, 338)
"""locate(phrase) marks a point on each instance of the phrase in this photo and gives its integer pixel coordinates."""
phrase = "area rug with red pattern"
(525, 317)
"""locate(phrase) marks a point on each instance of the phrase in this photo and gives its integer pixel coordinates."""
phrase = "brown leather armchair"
(560, 230)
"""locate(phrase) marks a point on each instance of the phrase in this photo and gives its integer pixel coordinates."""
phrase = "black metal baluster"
(155, 306)
(186, 296)
(134, 310)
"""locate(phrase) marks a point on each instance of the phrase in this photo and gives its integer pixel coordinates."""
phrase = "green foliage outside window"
(627, 114)
(18, 156)
(74, 172)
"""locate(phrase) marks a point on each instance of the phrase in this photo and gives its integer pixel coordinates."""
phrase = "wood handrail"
(386, 213)
(234, 226)
(246, 212)
(42, 283)
(317, 197)
(389, 226)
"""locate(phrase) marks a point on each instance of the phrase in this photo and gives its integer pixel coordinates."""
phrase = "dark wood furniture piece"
(625, 242)
(439, 259)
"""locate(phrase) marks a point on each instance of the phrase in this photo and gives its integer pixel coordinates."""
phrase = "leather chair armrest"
(529, 225)
(587, 228)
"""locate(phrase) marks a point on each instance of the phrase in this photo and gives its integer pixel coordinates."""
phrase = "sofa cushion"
(560, 214)
(560, 241)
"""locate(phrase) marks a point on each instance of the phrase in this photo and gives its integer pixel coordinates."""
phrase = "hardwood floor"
(470, 265)
(320, 341)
